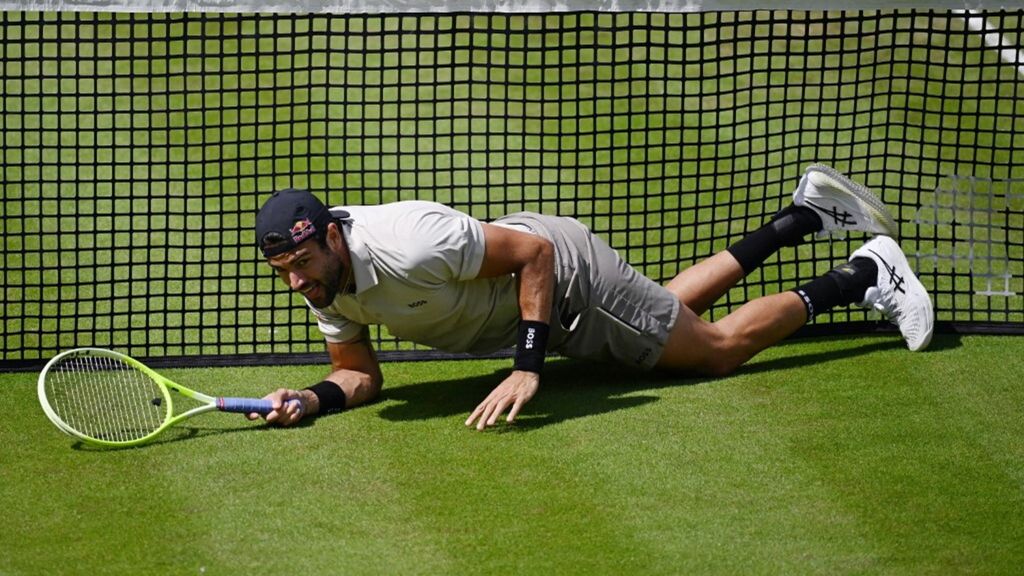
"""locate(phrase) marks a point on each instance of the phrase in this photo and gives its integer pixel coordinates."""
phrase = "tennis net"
(138, 146)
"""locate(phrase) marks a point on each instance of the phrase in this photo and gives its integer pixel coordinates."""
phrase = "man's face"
(311, 270)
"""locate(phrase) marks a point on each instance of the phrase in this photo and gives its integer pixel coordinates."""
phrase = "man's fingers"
(485, 416)
(481, 409)
(498, 407)
(498, 410)
(293, 412)
(515, 409)
(473, 416)
(515, 391)
(277, 399)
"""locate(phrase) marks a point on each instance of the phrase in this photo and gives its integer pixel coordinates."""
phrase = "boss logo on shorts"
(417, 303)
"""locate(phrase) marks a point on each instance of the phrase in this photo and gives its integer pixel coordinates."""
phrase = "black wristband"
(330, 396)
(532, 345)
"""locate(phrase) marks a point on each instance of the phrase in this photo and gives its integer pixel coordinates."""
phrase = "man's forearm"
(358, 388)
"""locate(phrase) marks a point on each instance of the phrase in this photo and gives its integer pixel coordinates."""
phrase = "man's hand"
(515, 391)
(289, 407)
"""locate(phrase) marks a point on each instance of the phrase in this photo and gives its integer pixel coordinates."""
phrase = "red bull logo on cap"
(302, 230)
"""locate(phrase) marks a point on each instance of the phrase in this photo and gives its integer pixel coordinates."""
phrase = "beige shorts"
(604, 309)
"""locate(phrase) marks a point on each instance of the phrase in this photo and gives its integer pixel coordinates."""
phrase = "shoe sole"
(820, 174)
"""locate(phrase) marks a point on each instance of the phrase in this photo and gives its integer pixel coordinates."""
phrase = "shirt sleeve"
(335, 328)
(449, 244)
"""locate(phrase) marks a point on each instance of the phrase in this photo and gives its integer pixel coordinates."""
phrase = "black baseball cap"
(289, 218)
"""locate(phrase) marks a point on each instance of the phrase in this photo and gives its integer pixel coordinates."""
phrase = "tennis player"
(438, 277)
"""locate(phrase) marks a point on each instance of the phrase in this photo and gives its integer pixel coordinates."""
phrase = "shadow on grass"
(184, 432)
(942, 342)
(570, 389)
(574, 389)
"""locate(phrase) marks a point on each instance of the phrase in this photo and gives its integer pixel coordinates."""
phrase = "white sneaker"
(897, 293)
(842, 204)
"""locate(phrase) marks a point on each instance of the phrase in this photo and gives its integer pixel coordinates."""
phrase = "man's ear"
(335, 241)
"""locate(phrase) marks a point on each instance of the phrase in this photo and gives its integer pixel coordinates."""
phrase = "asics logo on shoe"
(895, 279)
(843, 218)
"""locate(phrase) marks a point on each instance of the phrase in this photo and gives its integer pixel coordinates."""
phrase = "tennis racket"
(110, 399)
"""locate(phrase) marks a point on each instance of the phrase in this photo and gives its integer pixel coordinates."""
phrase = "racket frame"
(165, 385)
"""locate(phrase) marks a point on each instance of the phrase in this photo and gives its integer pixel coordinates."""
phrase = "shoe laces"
(883, 295)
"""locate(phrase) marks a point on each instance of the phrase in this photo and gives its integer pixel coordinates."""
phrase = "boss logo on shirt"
(417, 303)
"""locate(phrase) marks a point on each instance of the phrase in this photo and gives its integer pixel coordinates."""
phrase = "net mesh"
(137, 148)
(103, 398)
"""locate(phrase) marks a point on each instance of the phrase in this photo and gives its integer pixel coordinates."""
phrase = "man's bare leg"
(719, 348)
(701, 285)
(696, 345)
(825, 200)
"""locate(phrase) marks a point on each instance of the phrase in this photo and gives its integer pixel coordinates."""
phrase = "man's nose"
(296, 280)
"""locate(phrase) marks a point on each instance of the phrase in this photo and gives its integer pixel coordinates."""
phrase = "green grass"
(846, 456)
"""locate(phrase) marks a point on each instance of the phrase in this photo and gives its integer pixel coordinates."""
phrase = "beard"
(322, 293)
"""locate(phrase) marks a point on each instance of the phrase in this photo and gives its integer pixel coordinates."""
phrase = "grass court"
(841, 456)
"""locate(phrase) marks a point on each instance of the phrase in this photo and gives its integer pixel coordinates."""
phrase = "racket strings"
(105, 398)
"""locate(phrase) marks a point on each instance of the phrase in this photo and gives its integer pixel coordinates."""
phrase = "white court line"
(1009, 53)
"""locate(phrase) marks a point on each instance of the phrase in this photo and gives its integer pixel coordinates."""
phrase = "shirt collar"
(359, 256)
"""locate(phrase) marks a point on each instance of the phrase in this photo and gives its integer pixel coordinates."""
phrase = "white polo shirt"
(415, 266)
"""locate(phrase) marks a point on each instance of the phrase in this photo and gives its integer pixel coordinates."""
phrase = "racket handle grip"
(246, 405)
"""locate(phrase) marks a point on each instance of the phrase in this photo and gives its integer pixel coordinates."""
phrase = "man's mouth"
(311, 292)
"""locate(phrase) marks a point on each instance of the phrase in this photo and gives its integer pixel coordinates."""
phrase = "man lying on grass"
(438, 277)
